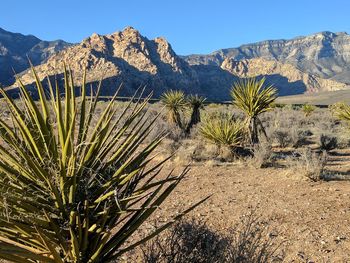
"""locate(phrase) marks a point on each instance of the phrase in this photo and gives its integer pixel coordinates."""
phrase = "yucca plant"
(341, 111)
(253, 97)
(196, 103)
(308, 109)
(223, 131)
(73, 190)
(175, 102)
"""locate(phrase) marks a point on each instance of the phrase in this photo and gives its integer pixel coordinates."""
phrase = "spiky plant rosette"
(196, 101)
(174, 101)
(76, 185)
(222, 130)
(253, 97)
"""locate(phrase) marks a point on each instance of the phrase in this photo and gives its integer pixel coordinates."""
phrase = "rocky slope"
(325, 54)
(287, 77)
(125, 58)
(15, 49)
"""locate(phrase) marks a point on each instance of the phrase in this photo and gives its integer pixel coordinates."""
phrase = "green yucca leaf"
(253, 97)
(341, 111)
(222, 130)
(174, 101)
(69, 175)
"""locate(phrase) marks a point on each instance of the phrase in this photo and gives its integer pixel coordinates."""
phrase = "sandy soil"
(312, 219)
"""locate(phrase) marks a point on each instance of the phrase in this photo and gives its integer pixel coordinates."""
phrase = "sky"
(192, 26)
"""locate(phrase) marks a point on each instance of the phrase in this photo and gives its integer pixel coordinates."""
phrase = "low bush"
(310, 164)
(328, 142)
(291, 137)
(193, 241)
(262, 156)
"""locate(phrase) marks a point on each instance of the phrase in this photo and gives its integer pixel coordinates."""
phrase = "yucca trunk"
(174, 118)
(195, 118)
(254, 128)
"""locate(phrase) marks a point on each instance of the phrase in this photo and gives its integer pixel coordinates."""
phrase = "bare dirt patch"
(312, 219)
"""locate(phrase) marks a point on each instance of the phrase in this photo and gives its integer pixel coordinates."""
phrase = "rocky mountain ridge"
(325, 54)
(15, 49)
(130, 59)
(125, 58)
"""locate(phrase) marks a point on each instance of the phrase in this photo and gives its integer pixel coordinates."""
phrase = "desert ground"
(306, 220)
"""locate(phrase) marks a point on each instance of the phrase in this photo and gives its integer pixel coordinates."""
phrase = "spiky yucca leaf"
(75, 185)
(341, 111)
(195, 101)
(222, 130)
(253, 97)
(174, 101)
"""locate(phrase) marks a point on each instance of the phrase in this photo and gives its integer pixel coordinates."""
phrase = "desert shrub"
(175, 133)
(262, 156)
(66, 182)
(328, 142)
(310, 164)
(290, 137)
(223, 131)
(252, 242)
(253, 97)
(188, 242)
(282, 137)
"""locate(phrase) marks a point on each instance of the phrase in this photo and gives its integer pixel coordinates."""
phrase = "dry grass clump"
(310, 164)
(263, 156)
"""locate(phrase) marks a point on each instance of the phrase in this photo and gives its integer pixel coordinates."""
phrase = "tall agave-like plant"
(73, 190)
(174, 101)
(196, 103)
(253, 97)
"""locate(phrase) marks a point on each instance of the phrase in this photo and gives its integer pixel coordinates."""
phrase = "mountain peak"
(123, 57)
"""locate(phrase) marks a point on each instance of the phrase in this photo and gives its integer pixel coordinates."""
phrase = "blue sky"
(191, 26)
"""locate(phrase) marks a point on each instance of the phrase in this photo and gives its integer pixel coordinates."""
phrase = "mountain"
(126, 58)
(325, 54)
(287, 77)
(130, 59)
(15, 49)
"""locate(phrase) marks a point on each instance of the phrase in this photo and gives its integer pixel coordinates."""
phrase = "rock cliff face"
(125, 58)
(325, 54)
(128, 58)
(15, 49)
(286, 76)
